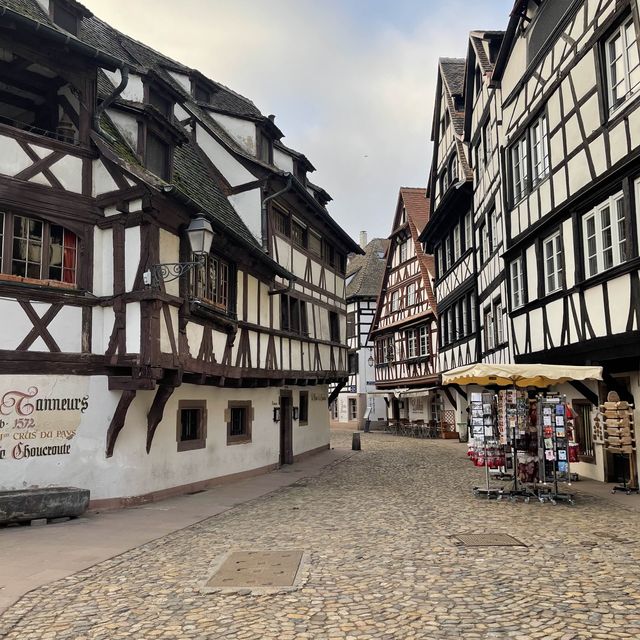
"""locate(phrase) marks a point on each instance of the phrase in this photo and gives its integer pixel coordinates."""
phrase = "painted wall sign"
(39, 415)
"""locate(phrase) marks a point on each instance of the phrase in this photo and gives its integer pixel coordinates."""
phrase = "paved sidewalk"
(383, 563)
(31, 557)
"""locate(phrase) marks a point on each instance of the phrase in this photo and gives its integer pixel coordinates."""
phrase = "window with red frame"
(36, 249)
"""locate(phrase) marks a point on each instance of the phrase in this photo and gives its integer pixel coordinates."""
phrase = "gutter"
(172, 190)
(45, 31)
(124, 79)
(264, 208)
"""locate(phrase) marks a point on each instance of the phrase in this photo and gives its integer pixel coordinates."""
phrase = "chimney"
(363, 239)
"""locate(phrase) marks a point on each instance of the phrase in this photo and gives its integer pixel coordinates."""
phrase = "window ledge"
(191, 445)
(238, 440)
(616, 113)
(53, 284)
(203, 309)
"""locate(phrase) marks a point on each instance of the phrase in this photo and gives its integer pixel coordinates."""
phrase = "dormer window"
(160, 102)
(264, 151)
(201, 93)
(65, 17)
(300, 173)
(157, 154)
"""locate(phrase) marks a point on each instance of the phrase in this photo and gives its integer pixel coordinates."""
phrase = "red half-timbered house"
(404, 328)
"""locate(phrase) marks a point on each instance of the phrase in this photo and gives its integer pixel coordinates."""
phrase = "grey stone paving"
(382, 565)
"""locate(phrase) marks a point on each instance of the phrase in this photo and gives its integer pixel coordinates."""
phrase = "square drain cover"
(249, 569)
(487, 540)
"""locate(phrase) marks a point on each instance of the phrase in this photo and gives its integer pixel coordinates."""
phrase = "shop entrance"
(286, 431)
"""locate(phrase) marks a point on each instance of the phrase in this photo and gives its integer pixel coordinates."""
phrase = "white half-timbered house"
(356, 402)
(136, 391)
(569, 74)
(404, 328)
(449, 233)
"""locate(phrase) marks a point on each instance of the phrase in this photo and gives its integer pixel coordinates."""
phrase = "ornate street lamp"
(200, 234)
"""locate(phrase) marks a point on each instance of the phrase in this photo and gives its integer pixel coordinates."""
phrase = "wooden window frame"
(245, 437)
(6, 253)
(489, 330)
(595, 214)
(352, 402)
(201, 286)
(334, 326)
(619, 31)
(555, 239)
(303, 415)
(412, 294)
(517, 283)
(351, 325)
(201, 441)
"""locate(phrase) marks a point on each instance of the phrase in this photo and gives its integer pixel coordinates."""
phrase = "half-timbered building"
(118, 376)
(404, 328)
(356, 402)
(449, 233)
(552, 123)
(569, 73)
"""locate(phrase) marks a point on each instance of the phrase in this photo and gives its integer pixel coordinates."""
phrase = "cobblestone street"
(377, 527)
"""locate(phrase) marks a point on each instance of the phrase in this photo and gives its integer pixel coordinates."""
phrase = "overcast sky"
(351, 82)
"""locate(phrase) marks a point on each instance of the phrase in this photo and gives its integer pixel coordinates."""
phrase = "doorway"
(286, 428)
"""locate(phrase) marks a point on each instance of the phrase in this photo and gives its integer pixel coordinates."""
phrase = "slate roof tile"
(367, 270)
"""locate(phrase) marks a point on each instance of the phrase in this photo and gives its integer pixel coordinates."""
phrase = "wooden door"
(286, 428)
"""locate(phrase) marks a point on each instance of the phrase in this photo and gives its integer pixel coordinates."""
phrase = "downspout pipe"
(264, 209)
(124, 79)
(265, 246)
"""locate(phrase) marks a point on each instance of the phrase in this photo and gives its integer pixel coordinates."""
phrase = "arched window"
(38, 250)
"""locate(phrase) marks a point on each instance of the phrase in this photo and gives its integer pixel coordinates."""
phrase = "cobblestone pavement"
(382, 564)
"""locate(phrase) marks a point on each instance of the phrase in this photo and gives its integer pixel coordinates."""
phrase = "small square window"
(191, 428)
(239, 418)
(303, 416)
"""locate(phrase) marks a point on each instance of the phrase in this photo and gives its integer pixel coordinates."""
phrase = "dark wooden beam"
(582, 388)
(156, 411)
(117, 422)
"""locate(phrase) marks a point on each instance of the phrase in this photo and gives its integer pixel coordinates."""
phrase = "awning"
(417, 392)
(520, 375)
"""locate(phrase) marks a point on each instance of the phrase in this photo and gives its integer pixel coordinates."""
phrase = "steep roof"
(452, 71)
(367, 270)
(416, 205)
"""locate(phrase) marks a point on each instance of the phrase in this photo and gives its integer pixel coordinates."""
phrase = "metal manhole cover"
(271, 570)
(487, 540)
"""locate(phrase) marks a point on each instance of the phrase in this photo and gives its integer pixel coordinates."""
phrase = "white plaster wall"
(131, 471)
(182, 79)
(284, 161)
(169, 253)
(248, 204)
(69, 171)
(133, 327)
(133, 90)
(127, 125)
(242, 131)
(66, 329)
(15, 324)
(230, 168)
(316, 433)
(102, 262)
(131, 256)
(12, 158)
(101, 182)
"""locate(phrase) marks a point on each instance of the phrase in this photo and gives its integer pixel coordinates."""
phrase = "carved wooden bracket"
(117, 422)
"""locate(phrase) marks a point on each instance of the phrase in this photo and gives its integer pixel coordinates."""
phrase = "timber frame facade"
(404, 329)
(552, 131)
(104, 160)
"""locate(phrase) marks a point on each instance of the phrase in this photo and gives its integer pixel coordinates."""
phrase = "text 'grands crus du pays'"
(28, 415)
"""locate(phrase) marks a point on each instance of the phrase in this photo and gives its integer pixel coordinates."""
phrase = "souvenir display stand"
(519, 438)
(554, 427)
(517, 435)
(619, 438)
(484, 447)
